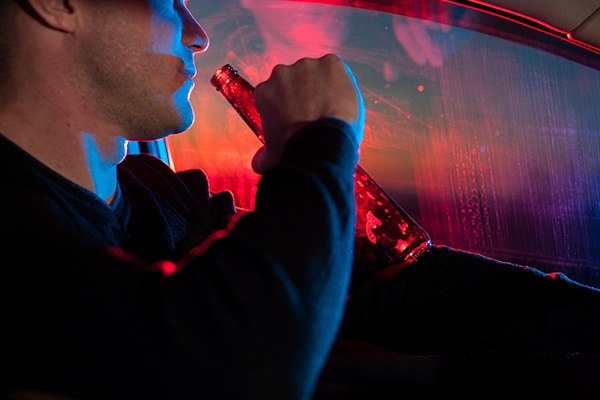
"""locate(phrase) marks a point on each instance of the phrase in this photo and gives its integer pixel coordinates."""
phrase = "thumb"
(258, 160)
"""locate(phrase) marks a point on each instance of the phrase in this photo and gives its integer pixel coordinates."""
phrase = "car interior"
(482, 123)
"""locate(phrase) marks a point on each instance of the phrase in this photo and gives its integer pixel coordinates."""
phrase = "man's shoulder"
(152, 173)
(145, 163)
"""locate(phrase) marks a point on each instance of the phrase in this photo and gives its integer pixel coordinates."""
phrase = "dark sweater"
(92, 310)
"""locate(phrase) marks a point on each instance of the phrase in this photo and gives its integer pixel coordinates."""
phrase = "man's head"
(127, 62)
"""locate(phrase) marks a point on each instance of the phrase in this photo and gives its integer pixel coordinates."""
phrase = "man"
(112, 286)
(130, 282)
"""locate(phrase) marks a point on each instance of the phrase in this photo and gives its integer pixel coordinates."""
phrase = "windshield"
(490, 145)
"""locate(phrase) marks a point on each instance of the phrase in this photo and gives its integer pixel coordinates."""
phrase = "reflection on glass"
(491, 146)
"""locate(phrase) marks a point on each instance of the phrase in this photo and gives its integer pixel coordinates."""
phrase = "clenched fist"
(296, 95)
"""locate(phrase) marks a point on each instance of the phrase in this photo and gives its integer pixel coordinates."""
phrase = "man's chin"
(181, 128)
(188, 120)
(183, 123)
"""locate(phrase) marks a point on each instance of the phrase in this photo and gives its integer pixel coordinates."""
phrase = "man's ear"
(57, 14)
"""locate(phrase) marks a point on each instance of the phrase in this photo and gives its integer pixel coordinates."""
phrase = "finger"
(348, 71)
(257, 161)
(360, 120)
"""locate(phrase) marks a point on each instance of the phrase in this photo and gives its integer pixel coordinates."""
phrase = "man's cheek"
(164, 34)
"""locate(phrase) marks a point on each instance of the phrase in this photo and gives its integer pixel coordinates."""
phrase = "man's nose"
(193, 36)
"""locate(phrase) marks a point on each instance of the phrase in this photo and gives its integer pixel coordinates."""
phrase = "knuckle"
(279, 68)
(303, 63)
(277, 72)
(332, 59)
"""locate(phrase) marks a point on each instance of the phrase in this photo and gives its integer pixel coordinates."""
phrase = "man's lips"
(188, 73)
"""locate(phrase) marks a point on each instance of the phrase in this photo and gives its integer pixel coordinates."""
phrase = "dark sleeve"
(251, 316)
(452, 301)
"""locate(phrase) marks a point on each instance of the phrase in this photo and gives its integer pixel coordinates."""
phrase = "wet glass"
(491, 146)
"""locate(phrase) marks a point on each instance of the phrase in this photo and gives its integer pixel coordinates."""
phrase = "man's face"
(137, 64)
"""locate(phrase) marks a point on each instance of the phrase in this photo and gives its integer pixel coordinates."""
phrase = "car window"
(492, 146)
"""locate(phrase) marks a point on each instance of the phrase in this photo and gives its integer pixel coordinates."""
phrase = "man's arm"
(253, 315)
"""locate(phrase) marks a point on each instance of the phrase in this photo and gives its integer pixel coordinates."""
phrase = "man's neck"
(59, 142)
(103, 156)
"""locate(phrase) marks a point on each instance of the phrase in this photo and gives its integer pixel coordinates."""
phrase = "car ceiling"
(579, 20)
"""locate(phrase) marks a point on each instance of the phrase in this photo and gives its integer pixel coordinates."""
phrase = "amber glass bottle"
(385, 234)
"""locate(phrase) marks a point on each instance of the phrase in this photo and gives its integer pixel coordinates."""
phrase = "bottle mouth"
(223, 76)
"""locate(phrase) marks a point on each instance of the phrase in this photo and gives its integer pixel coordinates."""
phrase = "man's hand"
(296, 95)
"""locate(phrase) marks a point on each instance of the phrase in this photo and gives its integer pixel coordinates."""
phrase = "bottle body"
(385, 234)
